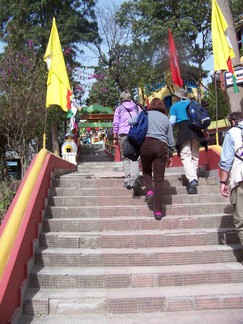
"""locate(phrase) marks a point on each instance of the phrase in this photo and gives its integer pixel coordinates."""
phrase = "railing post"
(117, 157)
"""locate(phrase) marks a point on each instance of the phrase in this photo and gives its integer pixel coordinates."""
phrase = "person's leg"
(188, 163)
(126, 164)
(135, 178)
(195, 154)
(236, 199)
(159, 165)
(134, 172)
(146, 154)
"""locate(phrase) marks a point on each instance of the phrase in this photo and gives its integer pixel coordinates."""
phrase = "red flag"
(174, 66)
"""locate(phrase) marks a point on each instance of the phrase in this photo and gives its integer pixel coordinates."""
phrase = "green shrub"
(8, 189)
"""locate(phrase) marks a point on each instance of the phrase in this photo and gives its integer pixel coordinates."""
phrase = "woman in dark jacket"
(156, 152)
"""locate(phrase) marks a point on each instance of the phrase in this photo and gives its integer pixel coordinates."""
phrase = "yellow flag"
(222, 48)
(58, 87)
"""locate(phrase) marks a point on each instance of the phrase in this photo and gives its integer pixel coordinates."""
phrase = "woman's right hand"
(169, 162)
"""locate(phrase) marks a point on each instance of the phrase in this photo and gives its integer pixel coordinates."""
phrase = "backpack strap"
(129, 111)
(240, 157)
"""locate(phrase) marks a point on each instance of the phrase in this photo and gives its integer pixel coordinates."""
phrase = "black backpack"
(198, 116)
(130, 150)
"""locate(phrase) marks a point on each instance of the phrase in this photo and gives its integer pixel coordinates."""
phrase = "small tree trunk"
(235, 99)
(54, 135)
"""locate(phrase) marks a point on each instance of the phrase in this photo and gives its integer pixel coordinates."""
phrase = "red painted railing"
(15, 269)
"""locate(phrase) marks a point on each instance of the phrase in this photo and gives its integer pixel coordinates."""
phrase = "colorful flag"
(174, 66)
(222, 49)
(58, 87)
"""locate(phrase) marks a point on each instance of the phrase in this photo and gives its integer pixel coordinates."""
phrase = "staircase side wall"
(16, 270)
(209, 160)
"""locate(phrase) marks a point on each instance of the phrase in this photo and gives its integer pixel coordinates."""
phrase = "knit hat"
(181, 93)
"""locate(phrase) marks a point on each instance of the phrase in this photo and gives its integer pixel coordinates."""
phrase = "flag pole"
(216, 109)
(44, 133)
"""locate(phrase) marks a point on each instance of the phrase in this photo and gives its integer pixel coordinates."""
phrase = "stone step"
(102, 253)
(222, 316)
(100, 166)
(121, 201)
(123, 192)
(79, 181)
(81, 257)
(130, 300)
(142, 276)
(139, 239)
(139, 210)
(135, 223)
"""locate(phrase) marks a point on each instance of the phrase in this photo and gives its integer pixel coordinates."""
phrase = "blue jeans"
(154, 155)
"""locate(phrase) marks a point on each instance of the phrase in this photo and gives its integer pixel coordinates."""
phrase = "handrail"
(10, 231)
(114, 151)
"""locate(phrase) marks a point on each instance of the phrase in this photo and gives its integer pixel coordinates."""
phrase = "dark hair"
(158, 104)
(236, 116)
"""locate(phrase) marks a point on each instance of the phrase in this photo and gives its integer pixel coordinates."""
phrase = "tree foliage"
(223, 108)
(24, 20)
(21, 101)
(26, 25)
(141, 56)
(123, 63)
(189, 23)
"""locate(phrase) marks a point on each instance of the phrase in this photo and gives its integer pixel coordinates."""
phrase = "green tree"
(22, 102)
(124, 63)
(222, 110)
(23, 21)
(189, 23)
(28, 23)
(104, 90)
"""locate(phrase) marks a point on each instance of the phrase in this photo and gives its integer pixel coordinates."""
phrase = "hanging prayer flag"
(222, 49)
(58, 87)
(174, 66)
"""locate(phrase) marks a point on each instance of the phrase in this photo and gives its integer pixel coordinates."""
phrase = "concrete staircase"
(103, 258)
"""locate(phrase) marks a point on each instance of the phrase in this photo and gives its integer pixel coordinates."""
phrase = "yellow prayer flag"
(58, 87)
(222, 48)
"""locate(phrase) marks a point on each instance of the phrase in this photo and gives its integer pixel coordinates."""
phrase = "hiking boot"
(128, 185)
(158, 215)
(192, 189)
(149, 197)
(193, 183)
(137, 190)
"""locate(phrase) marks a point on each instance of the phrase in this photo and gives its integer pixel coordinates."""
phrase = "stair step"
(120, 201)
(130, 300)
(222, 316)
(121, 277)
(141, 238)
(121, 191)
(140, 210)
(136, 221)
(79, 181)
(80, 257)
(103, 258)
